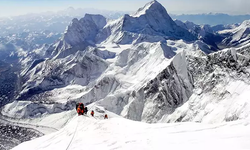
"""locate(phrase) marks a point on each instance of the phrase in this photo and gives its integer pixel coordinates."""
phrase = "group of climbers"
(83, 110)
(80, 109)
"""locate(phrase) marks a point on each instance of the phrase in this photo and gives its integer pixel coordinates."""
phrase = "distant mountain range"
(57, 21)
(212, 19)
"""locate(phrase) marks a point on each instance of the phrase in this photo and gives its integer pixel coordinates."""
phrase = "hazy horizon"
(232, 7)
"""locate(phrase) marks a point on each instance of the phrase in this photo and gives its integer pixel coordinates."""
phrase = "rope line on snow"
(73, 134)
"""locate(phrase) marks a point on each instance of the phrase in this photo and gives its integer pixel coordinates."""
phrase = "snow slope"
(118, 133)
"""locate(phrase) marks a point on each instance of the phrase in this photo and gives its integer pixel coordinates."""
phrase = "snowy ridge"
(117, 133)
(238, 36)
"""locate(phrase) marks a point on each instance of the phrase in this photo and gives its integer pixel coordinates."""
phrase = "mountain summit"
(153, 6)
(149, 23)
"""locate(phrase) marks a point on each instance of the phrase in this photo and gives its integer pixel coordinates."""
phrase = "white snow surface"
(117, 133)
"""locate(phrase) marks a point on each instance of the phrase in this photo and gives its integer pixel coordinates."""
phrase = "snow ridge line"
(73, 134)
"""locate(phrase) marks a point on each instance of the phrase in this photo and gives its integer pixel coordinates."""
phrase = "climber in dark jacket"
(85, 110)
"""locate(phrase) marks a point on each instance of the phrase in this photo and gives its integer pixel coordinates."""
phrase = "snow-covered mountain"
(212, 19)
(144, 67)
(78, 35)
(55, 22)
(238, 36)
(206, 33)
(113, 63)
(150, 23)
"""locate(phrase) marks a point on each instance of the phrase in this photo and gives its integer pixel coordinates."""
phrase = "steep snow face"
(238, 36)
(168, 90)
(118, 133)
(221, 88)
(152, 21)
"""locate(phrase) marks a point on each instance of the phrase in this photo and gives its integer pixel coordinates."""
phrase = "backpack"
(81, 106)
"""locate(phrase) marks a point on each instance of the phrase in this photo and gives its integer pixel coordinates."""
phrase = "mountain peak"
(246, 23)
(149, 7)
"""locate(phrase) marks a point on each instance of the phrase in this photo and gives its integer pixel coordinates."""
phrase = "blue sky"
(18, 7)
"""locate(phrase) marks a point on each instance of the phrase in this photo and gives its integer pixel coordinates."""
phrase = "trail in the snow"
(73, 135)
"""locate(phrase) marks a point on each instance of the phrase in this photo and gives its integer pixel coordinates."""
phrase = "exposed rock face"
(9, 83)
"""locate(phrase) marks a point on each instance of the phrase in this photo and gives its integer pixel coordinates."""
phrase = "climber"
(77, 104)
(105, 116)
(92, 113)
(85, 110)
(80, 109)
